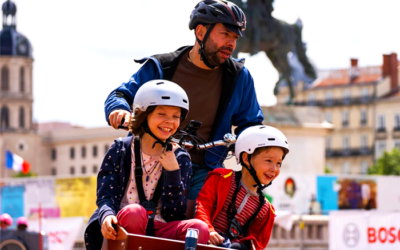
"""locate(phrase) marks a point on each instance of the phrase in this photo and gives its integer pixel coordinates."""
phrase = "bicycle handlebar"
(229, 140)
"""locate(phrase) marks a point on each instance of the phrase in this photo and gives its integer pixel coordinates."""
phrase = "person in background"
(22, 223)
(5, 221)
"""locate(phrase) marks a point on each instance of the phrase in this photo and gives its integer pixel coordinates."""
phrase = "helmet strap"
(202, 46)
(163, 144)
(253, 173)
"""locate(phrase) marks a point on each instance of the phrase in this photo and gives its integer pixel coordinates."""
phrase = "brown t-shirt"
(203, 88)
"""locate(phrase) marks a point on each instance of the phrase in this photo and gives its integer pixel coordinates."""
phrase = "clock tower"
(16, 96)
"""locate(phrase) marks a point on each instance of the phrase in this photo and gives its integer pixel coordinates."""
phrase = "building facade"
(52, 148)
(353, 100)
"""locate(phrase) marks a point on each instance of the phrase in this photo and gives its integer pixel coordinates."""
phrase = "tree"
(387, 164)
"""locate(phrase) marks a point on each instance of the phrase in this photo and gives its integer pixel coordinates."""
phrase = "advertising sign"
(364, 230)
(76, 196)
(13, 201)
(61, 232)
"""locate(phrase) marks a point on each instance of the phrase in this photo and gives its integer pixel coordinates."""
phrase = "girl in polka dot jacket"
(142, 181)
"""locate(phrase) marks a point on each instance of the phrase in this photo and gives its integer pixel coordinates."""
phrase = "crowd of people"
(151, 186)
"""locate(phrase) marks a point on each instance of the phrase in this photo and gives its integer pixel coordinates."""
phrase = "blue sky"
(84, 49)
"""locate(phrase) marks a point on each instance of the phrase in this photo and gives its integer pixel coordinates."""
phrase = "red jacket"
(214, 191)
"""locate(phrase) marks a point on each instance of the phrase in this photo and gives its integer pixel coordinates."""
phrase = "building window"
(381, 123)
(22, 79)
(397, 122)
(364, 167)
(311, 99)
(53, 171)
(381, 148)
(364, 94)
(95, 151)
(364, 141)
(397, 144)
(72, 153)
(21, 117)
(346, 142)
(5, 79)
(346, 167)
(83, 152)
(329, 97)
(347, 96)
(83, 169)
(4, 119)
(328, 116)
(95, 169)
(106, 147)
(328, 143)
(72, 170)
(53, 154)
(345, 118)
(363, 115)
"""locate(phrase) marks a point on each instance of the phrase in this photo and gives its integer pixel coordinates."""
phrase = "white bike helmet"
(260, 136)
(161, 92)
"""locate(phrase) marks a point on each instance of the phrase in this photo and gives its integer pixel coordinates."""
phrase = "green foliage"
(388, 164)
(22, 175)
(328, 170)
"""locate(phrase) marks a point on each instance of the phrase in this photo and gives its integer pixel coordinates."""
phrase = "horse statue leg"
(280, 61)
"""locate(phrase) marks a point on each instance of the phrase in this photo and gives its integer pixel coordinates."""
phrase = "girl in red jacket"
(232, 203)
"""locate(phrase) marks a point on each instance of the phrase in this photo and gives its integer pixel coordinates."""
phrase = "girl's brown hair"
(137, 121)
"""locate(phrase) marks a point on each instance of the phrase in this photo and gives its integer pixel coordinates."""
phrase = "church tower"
(16, 91)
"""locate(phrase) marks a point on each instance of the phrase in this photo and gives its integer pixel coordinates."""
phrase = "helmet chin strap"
(253, 173)
(202, 45)
(163, 144)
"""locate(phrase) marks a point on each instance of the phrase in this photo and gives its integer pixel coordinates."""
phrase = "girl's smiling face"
(164, 121)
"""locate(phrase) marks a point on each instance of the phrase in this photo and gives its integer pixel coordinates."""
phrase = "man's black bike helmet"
(216, 11)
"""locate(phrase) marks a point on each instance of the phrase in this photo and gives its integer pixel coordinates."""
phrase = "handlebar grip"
(121, 125)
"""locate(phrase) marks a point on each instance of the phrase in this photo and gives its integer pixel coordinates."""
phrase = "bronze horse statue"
(276, 38)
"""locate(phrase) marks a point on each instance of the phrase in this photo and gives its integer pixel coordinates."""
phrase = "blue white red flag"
(17, 163)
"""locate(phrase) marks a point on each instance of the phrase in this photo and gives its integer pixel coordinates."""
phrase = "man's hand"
(107, 230)
(215, 239)
(116, 116)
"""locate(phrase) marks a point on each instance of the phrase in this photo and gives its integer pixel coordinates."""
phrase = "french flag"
(17, 163)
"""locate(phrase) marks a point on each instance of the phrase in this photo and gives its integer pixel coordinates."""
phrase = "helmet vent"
(271, 139)
(184, 100)
(165, 97)
(262, 127)
(286, 142)
(160, 83)
(203, 11)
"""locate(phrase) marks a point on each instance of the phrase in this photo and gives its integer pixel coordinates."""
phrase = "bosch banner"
(364, 230)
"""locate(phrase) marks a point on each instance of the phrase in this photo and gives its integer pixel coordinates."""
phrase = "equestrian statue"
(276, 38)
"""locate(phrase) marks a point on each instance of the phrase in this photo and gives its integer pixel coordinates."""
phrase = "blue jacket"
(238, 104)
(113, 178)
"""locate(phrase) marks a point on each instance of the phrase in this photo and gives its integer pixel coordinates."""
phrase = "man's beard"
(211, 52)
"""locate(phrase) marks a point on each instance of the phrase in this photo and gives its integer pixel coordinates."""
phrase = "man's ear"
(200, 31)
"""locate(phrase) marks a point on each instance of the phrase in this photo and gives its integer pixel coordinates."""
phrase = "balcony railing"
(331, 153)
(337, 102)
(381, 130)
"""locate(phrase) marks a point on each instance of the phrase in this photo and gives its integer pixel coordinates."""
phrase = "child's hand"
(107, 229)
(168, 161)
(215, 239)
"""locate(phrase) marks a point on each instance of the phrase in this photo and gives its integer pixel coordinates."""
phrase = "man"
(220, 89)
